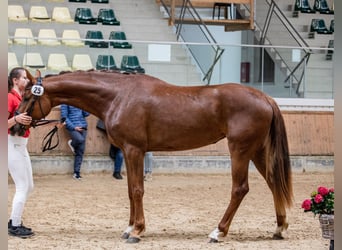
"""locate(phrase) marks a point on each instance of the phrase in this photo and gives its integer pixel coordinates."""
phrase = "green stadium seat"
(119, 35)
(131, 64)
(95, 35)
(303, 6)
(106, 62)
(84, 16)
(332, 25)
(330, 52)
(322, 7)
(100, 1)
(318, 25)
(107, 17)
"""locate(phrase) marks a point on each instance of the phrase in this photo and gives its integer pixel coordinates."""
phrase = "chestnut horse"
(142, 113)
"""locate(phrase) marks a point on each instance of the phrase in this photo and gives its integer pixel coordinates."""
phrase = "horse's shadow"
(115, 234)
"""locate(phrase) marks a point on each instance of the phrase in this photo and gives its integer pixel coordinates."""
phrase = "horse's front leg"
(134, 159)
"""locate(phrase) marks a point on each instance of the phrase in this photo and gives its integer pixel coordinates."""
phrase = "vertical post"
(262, 68)
(251, 15)
(172, 13)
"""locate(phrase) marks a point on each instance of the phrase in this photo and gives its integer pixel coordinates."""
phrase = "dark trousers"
(116, 154)
(79, 143)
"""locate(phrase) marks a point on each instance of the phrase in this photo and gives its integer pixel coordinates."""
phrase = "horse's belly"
(185, 141)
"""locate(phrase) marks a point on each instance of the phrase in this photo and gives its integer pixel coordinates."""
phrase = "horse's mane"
(91, 70)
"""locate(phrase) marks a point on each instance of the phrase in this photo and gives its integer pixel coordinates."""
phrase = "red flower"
(323, 191)
(306, 204)
(321, 201)
(318, 198)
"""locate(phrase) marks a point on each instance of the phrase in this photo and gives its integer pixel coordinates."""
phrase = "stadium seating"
(33, 60)
(95, 34)
(39, 14)
(131, 64)
(58, 62)
(100, 1)
(16, 13)
(24, 36)
(106, 62)
(303, 6)
(330, 53)
(48, 37)
(72, 38)
(61, 15)
(322, 7)
(12, 60)
(84, 16)
(332, 25)
(318, 25)
(119, 35)
(107, 17)
(81, 62)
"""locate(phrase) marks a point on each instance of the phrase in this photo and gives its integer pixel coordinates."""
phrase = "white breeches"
(20, 169)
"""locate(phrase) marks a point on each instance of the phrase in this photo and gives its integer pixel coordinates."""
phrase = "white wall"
(228, 68)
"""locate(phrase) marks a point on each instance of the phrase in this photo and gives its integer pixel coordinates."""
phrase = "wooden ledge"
(229, 24)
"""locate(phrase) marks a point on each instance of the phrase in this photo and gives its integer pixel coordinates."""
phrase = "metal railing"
(213, 52)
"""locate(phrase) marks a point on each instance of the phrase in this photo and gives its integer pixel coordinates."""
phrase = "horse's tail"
(278, 160)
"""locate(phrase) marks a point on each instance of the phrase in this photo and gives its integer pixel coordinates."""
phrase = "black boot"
(117, 175)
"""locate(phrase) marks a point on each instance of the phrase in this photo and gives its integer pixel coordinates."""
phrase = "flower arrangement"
(321, 201)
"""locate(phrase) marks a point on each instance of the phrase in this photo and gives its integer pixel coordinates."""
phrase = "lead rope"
(47, 141)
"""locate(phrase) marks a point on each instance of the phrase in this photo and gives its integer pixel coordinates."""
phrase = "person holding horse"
(19, 162)
(76, 125)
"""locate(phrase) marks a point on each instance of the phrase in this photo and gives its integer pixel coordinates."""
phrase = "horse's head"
(35, 102)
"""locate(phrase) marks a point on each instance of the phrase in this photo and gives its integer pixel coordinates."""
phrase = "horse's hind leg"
(260, 164)
(239, 189)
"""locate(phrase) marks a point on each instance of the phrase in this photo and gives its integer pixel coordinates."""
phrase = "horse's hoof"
(125, 236)
(278, 237)
(213, 240)
(133, 240)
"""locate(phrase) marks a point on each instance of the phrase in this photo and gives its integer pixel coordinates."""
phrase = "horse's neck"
(85, 95)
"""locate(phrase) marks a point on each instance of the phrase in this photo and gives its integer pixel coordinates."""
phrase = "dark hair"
(15, 73)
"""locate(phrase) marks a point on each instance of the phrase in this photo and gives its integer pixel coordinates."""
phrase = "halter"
(37, 91)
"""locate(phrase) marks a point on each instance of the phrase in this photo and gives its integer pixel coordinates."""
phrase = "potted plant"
(321, 202)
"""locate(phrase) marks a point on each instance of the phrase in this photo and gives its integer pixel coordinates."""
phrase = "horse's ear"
(29, 76)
